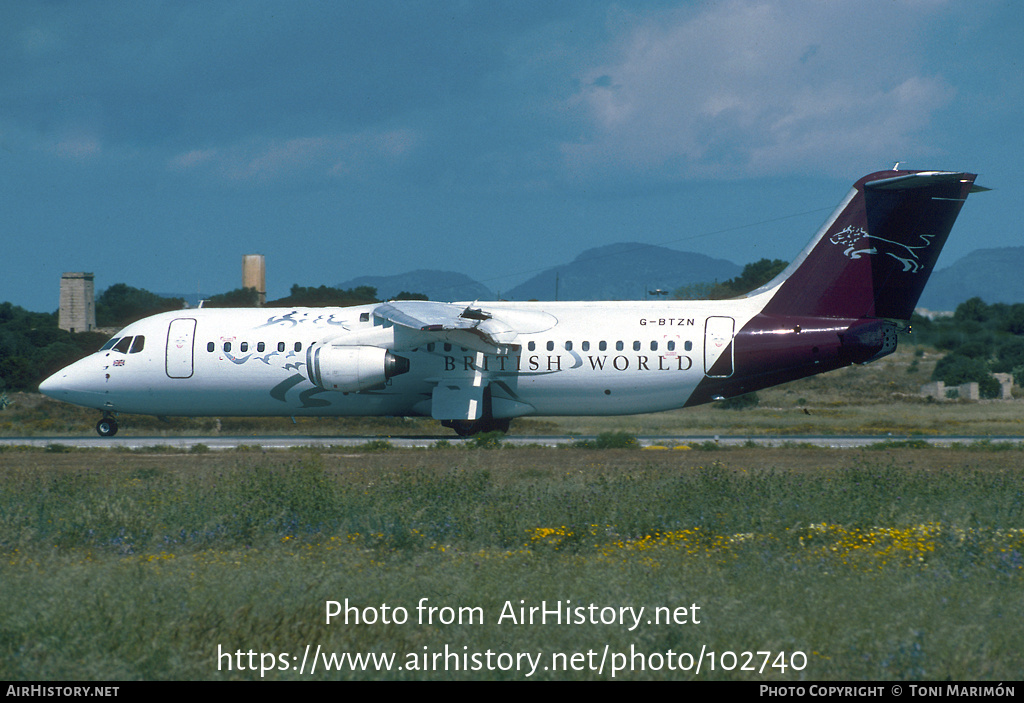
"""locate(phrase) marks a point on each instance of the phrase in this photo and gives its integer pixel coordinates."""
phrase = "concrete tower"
(254, 275)
(77, 303)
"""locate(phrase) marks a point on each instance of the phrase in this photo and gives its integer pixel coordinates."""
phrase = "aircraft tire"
(468, 428)
(106, 427)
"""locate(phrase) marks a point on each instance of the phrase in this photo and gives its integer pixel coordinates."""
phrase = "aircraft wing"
(466, 326)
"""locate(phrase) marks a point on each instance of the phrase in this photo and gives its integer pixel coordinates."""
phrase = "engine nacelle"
(352, 368)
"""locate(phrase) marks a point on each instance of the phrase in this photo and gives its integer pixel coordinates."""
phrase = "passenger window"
(586, 346)
(138, 344)
(568, 346)
(280, 346)
(430, 346)
(210, 346)
(654, 346)
(298, 346)
(619, 346)
(447, 346)
(636, 346)
(532, 346)
(123, 345)
(671, 346)
(243, 347)
(227, 346)
(551, 346)
(688, 346)
(260, 347)
(603, 346)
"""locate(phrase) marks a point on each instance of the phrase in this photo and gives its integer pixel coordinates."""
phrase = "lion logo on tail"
(858, 243)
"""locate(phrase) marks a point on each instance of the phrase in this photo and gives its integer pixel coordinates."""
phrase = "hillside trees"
(122, 304)
(32, 347)
(980, 339)
(237, 298)
(302, 296)
(754, 275)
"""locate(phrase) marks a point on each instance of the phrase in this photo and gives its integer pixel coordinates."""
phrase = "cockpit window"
(123, 344)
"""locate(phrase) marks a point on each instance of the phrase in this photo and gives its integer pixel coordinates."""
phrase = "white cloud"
(192, 159)
(753, 87)
(80, 146)
(275, 160)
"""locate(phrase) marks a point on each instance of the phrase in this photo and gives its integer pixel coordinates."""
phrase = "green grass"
(902, 564)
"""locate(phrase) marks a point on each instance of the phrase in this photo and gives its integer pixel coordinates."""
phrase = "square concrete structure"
(77, 302)
(968, 391)
(1005, 385)
(254, 275)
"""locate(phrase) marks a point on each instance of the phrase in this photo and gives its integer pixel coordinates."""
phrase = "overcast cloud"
(156, 143)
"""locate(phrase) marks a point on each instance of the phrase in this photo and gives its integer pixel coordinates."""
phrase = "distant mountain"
(623, 271)
(994, 275)
(436, 285)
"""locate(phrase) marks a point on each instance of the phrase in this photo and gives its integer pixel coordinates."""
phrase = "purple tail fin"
(875, 254)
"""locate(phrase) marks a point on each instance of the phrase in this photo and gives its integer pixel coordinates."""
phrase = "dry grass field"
(803, 564)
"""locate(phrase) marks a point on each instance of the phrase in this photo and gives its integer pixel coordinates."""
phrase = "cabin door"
(180, 338)
(718, 332)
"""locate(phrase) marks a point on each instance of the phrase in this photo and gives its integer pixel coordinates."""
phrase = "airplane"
(475, 366)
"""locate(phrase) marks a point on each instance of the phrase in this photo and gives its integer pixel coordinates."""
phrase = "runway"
(214, 443)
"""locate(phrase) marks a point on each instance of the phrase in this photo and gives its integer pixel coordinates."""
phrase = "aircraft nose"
(59, 385)
(51, 385)
(76, 383)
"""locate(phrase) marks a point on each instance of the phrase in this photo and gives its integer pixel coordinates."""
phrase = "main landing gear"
(486, 423)
(466, 428)
(107, 426)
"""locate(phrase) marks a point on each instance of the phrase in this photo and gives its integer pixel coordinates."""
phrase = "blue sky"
(157, 143)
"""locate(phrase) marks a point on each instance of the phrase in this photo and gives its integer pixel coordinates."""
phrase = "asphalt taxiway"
(128, 442)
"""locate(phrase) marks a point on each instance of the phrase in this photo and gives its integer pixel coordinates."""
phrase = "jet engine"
(350, 369)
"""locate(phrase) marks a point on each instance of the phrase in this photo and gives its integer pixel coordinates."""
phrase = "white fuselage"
(566, 358)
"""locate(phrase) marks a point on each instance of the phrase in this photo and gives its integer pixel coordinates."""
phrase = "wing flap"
(457, 400)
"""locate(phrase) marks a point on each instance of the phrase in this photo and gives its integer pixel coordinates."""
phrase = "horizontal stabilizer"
(923, 179)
